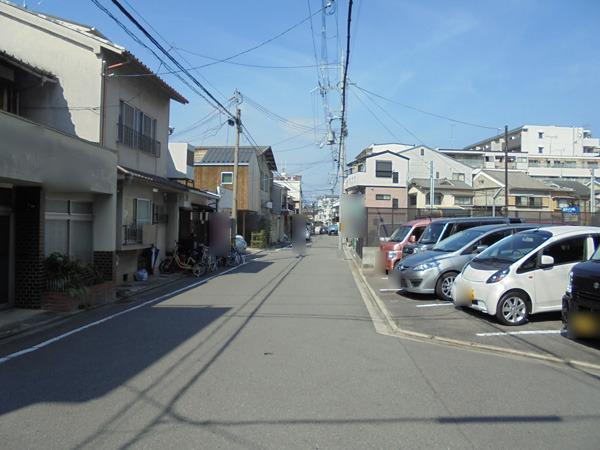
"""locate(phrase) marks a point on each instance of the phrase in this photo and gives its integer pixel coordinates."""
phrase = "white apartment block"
(540, 150)
(326, 211)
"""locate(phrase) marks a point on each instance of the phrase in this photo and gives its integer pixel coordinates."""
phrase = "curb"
(394, 330)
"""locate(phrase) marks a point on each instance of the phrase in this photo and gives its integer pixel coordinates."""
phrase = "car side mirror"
(480, 248)
(546, 262)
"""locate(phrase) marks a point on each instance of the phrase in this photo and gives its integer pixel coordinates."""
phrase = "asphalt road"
(280, 353)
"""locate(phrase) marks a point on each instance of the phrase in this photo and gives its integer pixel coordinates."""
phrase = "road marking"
(384, 278)
(512, 333)
(429, 305)
(388, 290)
(112, 316)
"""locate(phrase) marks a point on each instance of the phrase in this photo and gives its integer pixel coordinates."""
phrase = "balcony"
(136, 140)
(132, 234)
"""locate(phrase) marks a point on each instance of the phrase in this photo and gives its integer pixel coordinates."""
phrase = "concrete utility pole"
(236, 158)
(505, 170)
(431, 186)
(593, 192)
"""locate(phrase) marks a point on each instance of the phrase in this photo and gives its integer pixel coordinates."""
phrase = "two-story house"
(381, 178)
(84, 88)
(213, 169)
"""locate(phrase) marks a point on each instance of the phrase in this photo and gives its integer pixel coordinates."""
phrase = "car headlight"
(425, 266)
(498, 276)
(570, 285)
(392, 255)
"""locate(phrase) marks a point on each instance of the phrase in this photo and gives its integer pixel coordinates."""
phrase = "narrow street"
(280, 353)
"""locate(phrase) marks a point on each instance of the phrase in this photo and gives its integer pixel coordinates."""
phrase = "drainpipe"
(103, 102)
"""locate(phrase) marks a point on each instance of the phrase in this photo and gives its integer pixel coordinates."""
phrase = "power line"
(263, 43)
(276, 116)
(168, 55)
(422, 111)
(376, 117)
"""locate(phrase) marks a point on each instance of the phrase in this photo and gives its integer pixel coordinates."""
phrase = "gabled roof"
(441, 184)
(88, 34)
(516, 180)
(579, 189)
(370, 155)
(224, 155)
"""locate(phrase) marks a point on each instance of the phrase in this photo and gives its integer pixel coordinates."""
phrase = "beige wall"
(73, 58)
(398, 193)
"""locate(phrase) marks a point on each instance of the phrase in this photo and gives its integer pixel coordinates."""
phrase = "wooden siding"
(209, 178)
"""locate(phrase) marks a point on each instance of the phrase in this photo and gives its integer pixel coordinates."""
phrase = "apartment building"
(539, 150)
(447, 194)
(326, 211)
(293, 184)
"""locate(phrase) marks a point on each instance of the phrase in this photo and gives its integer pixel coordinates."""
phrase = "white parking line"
(112, 316)
(429, 305)
(512, 333)
(388, 290)
(384, 278)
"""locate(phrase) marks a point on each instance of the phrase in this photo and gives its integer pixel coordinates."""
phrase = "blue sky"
(487, 62)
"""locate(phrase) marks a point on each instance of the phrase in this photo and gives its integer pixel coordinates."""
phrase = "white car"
(526, 273)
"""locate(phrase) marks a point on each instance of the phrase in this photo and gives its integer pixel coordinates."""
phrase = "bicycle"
(174, 261)
(210, 261)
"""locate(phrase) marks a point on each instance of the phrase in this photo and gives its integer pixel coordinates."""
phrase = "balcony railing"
(134, 139)
(132, 234)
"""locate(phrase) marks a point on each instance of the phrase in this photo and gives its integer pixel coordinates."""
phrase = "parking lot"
(426, 314)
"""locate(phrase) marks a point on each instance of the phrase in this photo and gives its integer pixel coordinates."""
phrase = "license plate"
(586, 325)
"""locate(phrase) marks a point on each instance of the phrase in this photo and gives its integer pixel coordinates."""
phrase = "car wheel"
(443, 287)
(513, 309)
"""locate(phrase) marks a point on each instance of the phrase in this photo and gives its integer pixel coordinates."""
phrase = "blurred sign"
(570, 209)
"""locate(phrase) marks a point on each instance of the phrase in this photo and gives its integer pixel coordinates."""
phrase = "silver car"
(434, 271)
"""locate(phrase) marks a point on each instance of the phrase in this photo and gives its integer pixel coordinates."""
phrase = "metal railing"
(134, 139)
(132, 234)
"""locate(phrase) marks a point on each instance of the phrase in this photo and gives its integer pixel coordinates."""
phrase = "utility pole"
(505, 170)
(236, 158)
(593, 192)
(431, 186)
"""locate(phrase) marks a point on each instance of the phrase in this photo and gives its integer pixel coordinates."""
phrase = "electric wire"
(422, 111)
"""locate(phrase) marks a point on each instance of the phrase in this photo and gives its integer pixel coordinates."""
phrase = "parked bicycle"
(176, 261)
(207, 259)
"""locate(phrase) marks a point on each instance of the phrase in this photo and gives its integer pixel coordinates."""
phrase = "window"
(383, 169)
(437, 198)
(437, 174)
(137, 129)
(491, 239)
(69, 229)
(422, 152)
(395, 177)
(395, 203)
(383, 197)
(540, 149)
(567, 251)
(458, 176)
(540, 135)
(529, 202)
(463, 200)
(412, 200)
(143, 211)
(226, 177)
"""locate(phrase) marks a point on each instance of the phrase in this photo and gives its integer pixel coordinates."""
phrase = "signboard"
(570, 209)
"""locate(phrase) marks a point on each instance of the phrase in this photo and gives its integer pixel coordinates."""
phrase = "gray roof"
(578, 188)
(518, 180)
(442, 183)
(224, 155)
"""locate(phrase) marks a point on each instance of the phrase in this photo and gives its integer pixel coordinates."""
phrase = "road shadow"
(106, 357)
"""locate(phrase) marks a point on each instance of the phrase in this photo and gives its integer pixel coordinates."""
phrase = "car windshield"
(457, 241)
(432, 233)
(596, 255)
(400, 234)
(513, 248)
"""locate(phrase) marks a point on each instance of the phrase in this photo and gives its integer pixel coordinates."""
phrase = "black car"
(440, 229)
(581, 302)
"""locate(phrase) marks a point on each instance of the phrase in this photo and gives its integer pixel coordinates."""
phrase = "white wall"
(177, 161)
(443, 165)
(369, 178)
(558, 141)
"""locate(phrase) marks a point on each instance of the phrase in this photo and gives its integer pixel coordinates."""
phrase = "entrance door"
(4, 258)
